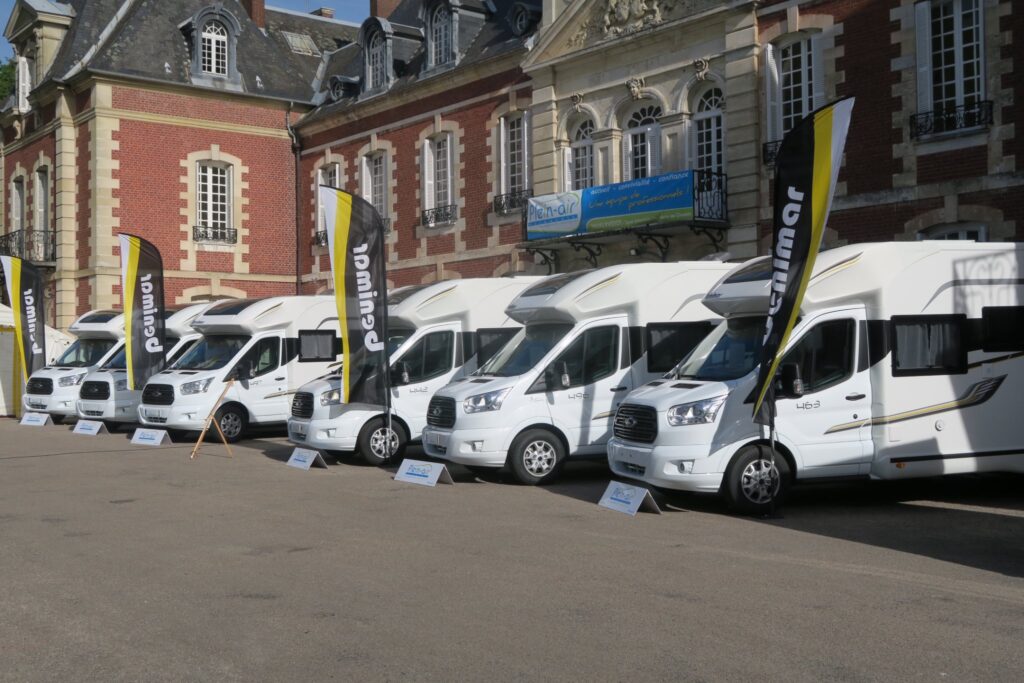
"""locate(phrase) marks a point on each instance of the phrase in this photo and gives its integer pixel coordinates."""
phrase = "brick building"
(170, 119)
(426, 115)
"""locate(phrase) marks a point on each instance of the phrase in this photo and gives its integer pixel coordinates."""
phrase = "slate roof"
(479, 40)
(148, 42)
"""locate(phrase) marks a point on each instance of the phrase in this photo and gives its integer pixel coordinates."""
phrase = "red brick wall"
(213, 108)
(963, 163)
(28, 156)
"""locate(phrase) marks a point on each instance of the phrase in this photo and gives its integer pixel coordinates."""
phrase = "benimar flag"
(25, 290)
(355, 240)
(806, 168)
(142, 293)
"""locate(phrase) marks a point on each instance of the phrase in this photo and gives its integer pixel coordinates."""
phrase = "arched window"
(214, 57)
(642, 143)
(955, 231)
(709, 131)
(580, 174)
(440, 35)
(375, 63)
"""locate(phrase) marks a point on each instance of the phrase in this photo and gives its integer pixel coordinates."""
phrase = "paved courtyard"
(126, 563)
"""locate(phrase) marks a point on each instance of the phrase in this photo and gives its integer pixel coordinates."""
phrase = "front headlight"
(198, 387)
(71, 380)
(696, 413)
(330, 398)
(121, 385)
(481, 403)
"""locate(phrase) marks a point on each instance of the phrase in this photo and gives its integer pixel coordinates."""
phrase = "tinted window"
(668, 343)
(592, 356)
(527, 348)
(759, 269)
(181, 351)
(430, 357)
(928, 345)
(84, 352)
(824, 355)
(730, 351)
(1002, 328)
(211, 353)
(100, 317)
(398, 336)
(489, 342)
(554, 283)
(317, 346)
(264, 355)
(230, 307)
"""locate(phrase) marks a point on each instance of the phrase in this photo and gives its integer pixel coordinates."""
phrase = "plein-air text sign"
(423, 473)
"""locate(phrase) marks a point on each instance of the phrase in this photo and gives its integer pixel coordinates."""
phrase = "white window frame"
(712, 122)
(814, 97)
(42, 198)
(955, 231)
(440, 52)
(520, 118)
(23, 75)
(18, 203)
(206, 186)
(429, 167)
(323, 177)
(213, 50)
(651, 133)
(376, 62)
(925, 57)
(580, 149)
(375, 189)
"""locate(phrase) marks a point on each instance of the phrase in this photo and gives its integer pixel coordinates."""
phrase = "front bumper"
(685, 468)
(474, 447)
(54, 404)
(186, 417)
(332, 434)
(125, 410)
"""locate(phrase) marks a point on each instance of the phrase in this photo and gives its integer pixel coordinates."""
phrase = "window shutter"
(654, 150)
(627, 156)
(771, 94)
(922, 27)
(450, 196)
(817, 71)
(503, 155)
(568, 180)
(427, 166)
(24, 84)
(229, 195)
(199, 194)
(527, 166)
(365, 182)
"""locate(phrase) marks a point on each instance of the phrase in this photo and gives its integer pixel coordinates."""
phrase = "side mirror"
(563, 370)
(792, 384)
(400, 371)
(243, 370)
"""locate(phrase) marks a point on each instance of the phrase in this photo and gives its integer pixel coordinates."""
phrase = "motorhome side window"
(430, 357)
(264, 355)
(668, 343)
(489, 342)
(824, 355)
(928, 345)
(1001, 328)
(592, 356)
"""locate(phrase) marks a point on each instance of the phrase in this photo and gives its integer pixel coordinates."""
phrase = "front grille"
(95, 391)
(39, 385)
(636, 423)
(631, 468)
(158, 395)
(441, 412)
(93, 413)
(302, 405)
(156, 420)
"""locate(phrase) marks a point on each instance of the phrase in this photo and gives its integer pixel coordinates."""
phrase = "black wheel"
(536, 457)
(232, 420)
(752, 486)
(375, 440)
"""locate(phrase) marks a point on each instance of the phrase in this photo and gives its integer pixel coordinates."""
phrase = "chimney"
(325, 12)
(257, 10)
(383, 8)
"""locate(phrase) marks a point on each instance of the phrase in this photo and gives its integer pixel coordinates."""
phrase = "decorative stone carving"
(577, 101)
(614, 18)
(635, 85)
(701, 67)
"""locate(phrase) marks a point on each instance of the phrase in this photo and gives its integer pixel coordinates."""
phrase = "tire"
(536, 457)
(371, 442)
(746, 485)
(233, 422)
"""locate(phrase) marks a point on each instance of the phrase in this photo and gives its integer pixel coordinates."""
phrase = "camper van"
(437, 332)
(105, 394)
(10, 361)
(551, 392)
(907, 361)
(99, 335)
(254, 344)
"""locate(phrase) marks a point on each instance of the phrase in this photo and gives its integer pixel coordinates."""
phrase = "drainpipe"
(296, 150)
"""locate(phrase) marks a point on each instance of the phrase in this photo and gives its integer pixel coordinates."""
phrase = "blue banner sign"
(646, 203)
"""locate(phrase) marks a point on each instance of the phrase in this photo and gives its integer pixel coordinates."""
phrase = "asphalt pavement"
(120, 562)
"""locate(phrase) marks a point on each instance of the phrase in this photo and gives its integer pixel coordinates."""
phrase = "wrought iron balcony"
(946, 119)
(441, 215)
(710, 196)
(320, 238)
(203, 233)
(769, 151)
(512, 202)
(38, 246)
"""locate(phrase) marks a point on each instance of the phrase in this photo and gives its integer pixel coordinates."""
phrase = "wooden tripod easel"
(211, 418)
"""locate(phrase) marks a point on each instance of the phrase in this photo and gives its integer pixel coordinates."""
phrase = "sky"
(349, 10)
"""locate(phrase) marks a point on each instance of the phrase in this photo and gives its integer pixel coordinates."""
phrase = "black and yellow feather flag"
(355, 238)
(142, 294)
(806, 169)
(25, 290)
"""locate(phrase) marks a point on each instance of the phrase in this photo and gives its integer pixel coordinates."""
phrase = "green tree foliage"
(7, 76)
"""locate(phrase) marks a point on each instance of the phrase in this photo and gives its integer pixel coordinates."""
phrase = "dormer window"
(440, 35)
(376, 67)
(215, 49)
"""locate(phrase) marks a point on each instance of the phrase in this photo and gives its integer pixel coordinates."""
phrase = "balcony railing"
(202, 233)
(512, 202)
(769, 151)
(320, 238)
(710, 196)
(441, 215)
(38, 246)
(949, 119)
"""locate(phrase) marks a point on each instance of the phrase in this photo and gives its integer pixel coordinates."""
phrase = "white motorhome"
(907, 361)
(437, 332)
(251, 341)
(10, 363)
(99, 335)
(105, 394)
(552, 391)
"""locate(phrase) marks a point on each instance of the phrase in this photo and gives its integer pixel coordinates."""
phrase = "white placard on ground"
(36, 419)
(423, 473)
(304, 458)
(150, 437)
(628, 498)
(90, 427)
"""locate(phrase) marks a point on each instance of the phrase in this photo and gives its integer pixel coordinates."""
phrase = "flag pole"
(387, 357)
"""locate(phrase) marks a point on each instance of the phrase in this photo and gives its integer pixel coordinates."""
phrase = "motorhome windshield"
(731, 351)
(525, 350)
(118, 360)
(396, 337)
(212, 352)
(84, 352)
